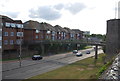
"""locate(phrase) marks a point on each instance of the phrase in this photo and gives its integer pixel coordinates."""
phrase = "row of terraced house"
(13, 31)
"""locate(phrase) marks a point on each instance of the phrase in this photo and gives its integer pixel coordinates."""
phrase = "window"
(53, 32)
(20, 34)
(13, 25)
(36, 37)
(5, 42)
(7, 24)
(18, 41)
(5, 33)
(11, 33)
(64, 34)
(58, 32)
(47, 37)
(37, 31)
(19, 25)
(48, 32)
(11, 42)
(0, 38)
(1, 24)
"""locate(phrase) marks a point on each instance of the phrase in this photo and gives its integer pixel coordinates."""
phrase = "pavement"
(29, 68)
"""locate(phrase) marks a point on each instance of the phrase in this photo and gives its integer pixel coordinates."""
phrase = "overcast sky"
(86, 15)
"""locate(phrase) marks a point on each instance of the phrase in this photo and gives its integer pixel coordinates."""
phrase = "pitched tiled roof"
(59, 28)
(68, 30)
(32, 25)
(46, 26)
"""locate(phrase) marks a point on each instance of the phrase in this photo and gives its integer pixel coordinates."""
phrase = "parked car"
(79, 54)
(87, 52)
(36, 57)
(75, 51)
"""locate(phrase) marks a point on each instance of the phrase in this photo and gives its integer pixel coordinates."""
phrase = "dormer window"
(48, 32)
(37, 31)
(7, 24)
(19, 25)
(13, 24)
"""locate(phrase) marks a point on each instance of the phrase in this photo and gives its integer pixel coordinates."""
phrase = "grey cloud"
(12, 14)
(75, 7)
(45, 12)
(59, 6)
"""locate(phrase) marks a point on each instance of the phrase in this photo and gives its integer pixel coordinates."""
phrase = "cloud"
(11, 14)
(45, 12)
(59, 6)
(75, 7)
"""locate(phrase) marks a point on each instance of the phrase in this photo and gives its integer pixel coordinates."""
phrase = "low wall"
(113, 72)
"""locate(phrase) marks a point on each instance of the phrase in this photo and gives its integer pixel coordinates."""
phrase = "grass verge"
(83, 69)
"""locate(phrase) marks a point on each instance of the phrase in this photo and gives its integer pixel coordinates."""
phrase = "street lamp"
(20, 46)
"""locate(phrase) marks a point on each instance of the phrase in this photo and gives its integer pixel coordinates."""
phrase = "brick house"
(32, 32)
(78, 34)
(12, 33)
(49, 32)
(60, 32)
(68, 33)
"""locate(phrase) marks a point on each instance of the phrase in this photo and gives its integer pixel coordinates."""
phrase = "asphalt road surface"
(29, 68)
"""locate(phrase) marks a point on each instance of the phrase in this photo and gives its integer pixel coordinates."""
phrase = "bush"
(102, 69)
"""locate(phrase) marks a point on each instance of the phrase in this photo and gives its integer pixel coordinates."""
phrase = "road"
(29, 68)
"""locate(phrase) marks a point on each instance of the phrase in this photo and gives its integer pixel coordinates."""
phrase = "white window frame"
(37, 31)
(11, 33)
(0, 37)
(5, 33)
(7, 24)
(20, 34)
(19, 25)
(5, 42)
(11, 42)
(48, 32)
(13, 25)
(58, 32)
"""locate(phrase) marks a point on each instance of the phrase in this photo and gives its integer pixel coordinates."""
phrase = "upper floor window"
(53, 32)
(20, 34)
(58, 32)
(0, 38)
(5, 42)
(19, 25)
(11, 33)
(11, 42)
(64, 34)
(7, 24)
(37, 31)
(48, 32)
(1, 24)
(5, 33)
(78, 35)
(13, 24)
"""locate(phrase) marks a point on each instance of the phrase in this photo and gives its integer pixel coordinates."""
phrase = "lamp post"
(20, 46)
